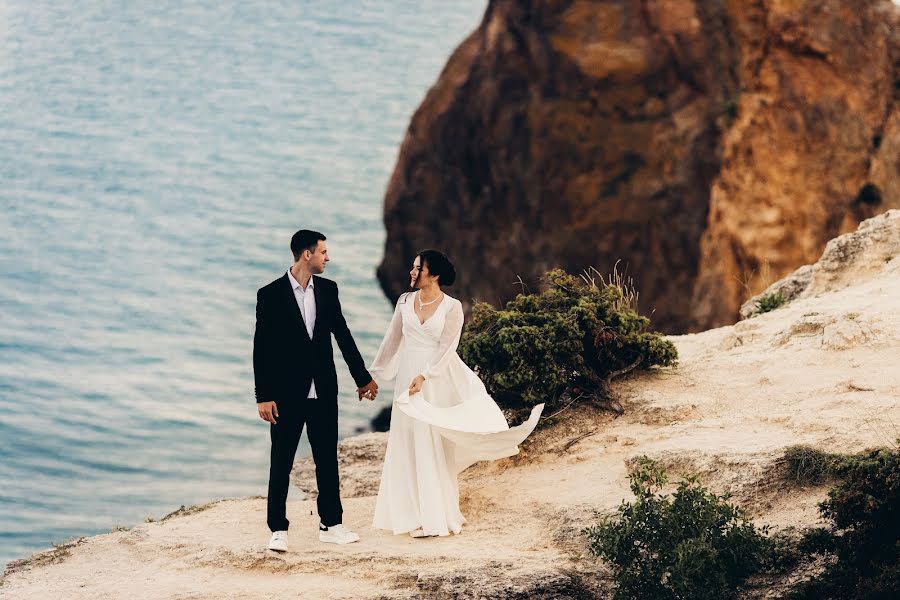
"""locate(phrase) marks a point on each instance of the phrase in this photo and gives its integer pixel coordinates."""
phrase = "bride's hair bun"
(440, 265)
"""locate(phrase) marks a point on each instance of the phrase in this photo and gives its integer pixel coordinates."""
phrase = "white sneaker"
(278, 543)
(337, 534)
(420, 533)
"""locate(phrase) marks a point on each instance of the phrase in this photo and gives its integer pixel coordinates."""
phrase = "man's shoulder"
(271, 286)
(329, 283)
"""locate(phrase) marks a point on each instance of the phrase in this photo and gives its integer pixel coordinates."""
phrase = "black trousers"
(320, 415)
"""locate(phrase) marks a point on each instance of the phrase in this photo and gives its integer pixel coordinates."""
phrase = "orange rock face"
(711, 147)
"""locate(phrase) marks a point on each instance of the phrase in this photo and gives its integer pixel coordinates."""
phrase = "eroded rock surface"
(359, 458)
(848, 259)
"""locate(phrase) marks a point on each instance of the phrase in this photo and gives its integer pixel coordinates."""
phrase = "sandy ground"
(821, 371)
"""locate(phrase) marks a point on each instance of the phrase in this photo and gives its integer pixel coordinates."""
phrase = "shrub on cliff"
(769, 302)
(571, 338)
(864, 533)
(691, 545)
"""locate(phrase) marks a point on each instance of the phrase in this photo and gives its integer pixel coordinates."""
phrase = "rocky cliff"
(711, 146)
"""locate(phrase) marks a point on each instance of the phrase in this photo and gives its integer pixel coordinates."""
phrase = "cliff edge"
(820, 370)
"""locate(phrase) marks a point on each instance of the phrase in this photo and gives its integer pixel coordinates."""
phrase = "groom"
(296, 382)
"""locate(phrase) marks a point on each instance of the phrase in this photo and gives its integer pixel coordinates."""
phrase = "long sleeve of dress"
(387, 360)
(448, 344)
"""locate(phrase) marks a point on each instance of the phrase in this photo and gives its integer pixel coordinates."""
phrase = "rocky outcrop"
(815, 147)
(359, 457)
(849, 259)
(708, 145)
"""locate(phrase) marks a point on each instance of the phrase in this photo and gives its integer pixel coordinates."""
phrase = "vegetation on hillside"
(568, 340)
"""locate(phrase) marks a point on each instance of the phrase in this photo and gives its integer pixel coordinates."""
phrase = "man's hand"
(416, 386)
(368, 391)
(267, 411)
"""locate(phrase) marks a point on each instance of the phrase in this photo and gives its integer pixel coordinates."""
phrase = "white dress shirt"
(306, 301)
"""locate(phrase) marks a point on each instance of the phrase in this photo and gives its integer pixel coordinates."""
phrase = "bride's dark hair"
(440, 265)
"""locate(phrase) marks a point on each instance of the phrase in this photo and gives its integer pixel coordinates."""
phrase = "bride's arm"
(384, 366)
(448, 344)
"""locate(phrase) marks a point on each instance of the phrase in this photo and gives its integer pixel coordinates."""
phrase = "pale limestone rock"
(848, 259)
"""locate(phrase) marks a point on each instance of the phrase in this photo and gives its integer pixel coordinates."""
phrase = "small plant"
(766, 302)
(810, 466)
(769, 302)
(691, 545)
(569, 340)
(190, 510)
(60, 552)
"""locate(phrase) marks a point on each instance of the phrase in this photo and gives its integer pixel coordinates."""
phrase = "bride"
(443, 419)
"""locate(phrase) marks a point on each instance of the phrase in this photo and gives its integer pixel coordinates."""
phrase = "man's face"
(319, 258)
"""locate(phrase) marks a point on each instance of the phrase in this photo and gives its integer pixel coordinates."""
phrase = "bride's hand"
(416, 386)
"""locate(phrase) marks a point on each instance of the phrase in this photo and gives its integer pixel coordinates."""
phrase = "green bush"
(573, 336)
(768, 302)
(694, 545)
(864, 537)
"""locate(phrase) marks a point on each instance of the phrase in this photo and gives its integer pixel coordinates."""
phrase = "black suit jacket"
(285, 359)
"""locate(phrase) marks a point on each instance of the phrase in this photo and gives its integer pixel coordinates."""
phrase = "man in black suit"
(296, 382)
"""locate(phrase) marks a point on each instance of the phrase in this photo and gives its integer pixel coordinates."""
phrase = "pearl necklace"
(424, 304)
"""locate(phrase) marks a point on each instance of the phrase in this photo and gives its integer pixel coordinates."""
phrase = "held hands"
(267, 411)
(416, 386)
(368, 391)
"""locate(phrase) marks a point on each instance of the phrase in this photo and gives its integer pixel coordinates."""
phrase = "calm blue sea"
(155, 158)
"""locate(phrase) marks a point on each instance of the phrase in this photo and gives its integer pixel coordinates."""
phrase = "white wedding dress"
(437, 433)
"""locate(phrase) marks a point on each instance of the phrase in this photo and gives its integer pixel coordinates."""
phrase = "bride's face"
(419, 274)
(414, 272)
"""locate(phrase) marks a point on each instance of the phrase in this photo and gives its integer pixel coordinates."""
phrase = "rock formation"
(813, 150)
(708, 145)
(849, 259)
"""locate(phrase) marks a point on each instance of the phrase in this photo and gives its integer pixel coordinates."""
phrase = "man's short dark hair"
(305, 240)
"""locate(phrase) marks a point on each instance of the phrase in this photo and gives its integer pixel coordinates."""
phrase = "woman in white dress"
(442, 419)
